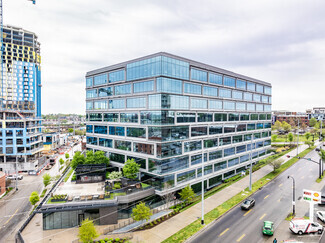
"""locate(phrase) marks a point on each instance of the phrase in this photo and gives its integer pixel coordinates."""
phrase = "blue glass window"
(240, 84)
(259, 88)
(228, 81)
(117, 104)
(267, 90)
(117, 131)
(270, 100)
(210, 91)
(233, 162)
(215, 104)
(229, 152)
(129, 117)
(259, 107)
(168, 165)
(92, 93)
(215, 78)
(100, 129)
(139, 102)
(192, 88)
(248, 96)
(199, 75)
(237, 94)
(100, 104)
(225, 93)
(105, 142)
(199, 103)
(185, 176)
(257, 98)
(240, 106)
(89, 82)
(105, 91)
(228, 105)
(267, 107)
(175, 68)
(192, 146)
(166, 101)
(169, 85)
(92, 140)
(89, 128)
(100, 79)
(116, 76)
(250, 86)
(143, 69)
(123, 89)
(250, 106)
(141, 87)
(265, 99)
(89, 105)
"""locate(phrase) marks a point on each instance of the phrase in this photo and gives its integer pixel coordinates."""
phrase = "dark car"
(322, 202)
(248, 203)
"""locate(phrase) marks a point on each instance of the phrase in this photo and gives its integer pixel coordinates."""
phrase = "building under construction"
(20, 115)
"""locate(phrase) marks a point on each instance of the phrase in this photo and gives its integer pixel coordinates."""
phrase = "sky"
(280, 42)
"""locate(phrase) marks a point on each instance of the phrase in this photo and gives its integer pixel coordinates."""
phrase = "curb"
(211, 223)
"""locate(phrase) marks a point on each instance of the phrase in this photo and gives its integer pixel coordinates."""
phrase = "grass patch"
(318, 180)
(194, 227)
(68, 175)
(144, 185)
(50, 201)
(289, 217)
(302, 138)
(43, 193)
(115, 194)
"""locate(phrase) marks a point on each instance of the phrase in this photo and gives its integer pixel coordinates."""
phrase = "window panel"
(199, 131)
(250, 106)
(122, 89)
(199, 103)
(229, 81)
(240, 106)
(116, 76)
(105, 91)
(157, 117)
(267, 90)
(100, 129)
(186, 176)
(95, 117)
(220, 117)
(192, 88)
(199, 75)
(138, 102)
(204, 117)
(116, 131)
(111, 117)
(123, 145)
(117, 104)
(228, 105)
(215, 78)
(100, 79)
(210, 91)
(169, 149)
(91, 93)
(237, 94)
(89, 82)
(143, 148)
(215, 130)
(209, 143)
(233, 117)
(215, 104)
(225, 93)
(169, 85)
(240, 84)
(229, 152)
(129, 117)
(142, 87)
(136, 132)
(250, 86)
(168, 165)
(248, 96)
(224, 141)
(185, 117)
(168, 133)
(259, 88)
(192, 146)
(104, 142)
(215, 155)
(100, 105)
(220, 166)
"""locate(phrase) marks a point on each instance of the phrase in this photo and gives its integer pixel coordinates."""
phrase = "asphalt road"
(15, 209)
(273, 202)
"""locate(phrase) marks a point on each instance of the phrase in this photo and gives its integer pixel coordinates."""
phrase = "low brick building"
(2, 183)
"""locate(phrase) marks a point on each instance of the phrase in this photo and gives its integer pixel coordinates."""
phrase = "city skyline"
(275, 42)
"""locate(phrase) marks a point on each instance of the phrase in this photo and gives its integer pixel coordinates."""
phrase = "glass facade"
(168, 112)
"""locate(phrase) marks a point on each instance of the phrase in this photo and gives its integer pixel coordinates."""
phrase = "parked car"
(302, 226)
(14, 177)
(248, 203)
(268, 228)
(322, 201)
(321, 215)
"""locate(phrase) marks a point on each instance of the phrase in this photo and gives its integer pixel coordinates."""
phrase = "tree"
(309, 143)
(276, 164)
(322, 154)
(312, 122)
(141, 212)
(34, 198)
(169, 196)
(78, 159)
(61, 161)
(115, 175)
(67, 156)
(303, 126)
(187, 193)
(286, 127)
(90, 158)
(274, 137)
(131, 169)
(277, 125)
(292, 122)
(46, 179)
(70, 130)
(290, 137)
(307, 135)
(100, 158)
(87, 231)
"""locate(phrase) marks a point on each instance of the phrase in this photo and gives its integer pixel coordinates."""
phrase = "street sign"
(311, 196)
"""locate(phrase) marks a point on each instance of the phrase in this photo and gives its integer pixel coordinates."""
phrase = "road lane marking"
(262, 216)
(224, 231)
(247, 212)
(302, 177)
(240, 238)
(266, 196)
(280, 185)
(11, 217)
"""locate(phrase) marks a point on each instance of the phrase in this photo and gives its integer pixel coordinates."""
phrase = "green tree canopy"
(61, 161)
(100, 158)
(187, 193)
(274, 137)
(307, 135)
(78, 159)
(312, 121)
(290, 137)
(34, 198)
(276, 164)
(67, 156)
(131, 169)
(309, 143)
(277, 125)
(141, 212)
(87, 231)
(286, 127)
(70, 130)
(115, 175)
(46, 179)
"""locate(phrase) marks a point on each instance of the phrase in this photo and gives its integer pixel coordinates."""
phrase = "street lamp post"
(250, 167)
(298, 138)
(293, 196)
(202, 194)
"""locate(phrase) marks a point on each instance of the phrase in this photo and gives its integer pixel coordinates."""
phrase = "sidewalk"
(176, 223)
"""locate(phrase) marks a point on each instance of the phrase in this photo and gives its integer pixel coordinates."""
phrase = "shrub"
(117, 239)
(155, 222)
(158, 220)
(102, 241)
(106, 239)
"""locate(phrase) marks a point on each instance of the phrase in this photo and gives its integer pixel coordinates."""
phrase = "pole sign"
(311, 196)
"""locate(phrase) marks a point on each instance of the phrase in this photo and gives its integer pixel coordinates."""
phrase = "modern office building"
(167, 112)
(20, 103)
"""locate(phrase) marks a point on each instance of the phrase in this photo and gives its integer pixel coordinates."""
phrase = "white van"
(301, 226)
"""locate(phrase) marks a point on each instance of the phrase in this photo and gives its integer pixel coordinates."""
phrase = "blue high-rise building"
(20, 117)
(167, 113)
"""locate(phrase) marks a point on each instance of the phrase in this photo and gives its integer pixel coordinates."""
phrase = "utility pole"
(16, 170)
(293, 196)
(202, 194)
(298, 137)
(250, 167)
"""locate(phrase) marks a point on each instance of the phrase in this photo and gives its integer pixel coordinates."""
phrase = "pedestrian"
(275, 241)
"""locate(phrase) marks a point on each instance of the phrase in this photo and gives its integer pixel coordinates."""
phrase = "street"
(15, 209)
(273, 203)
